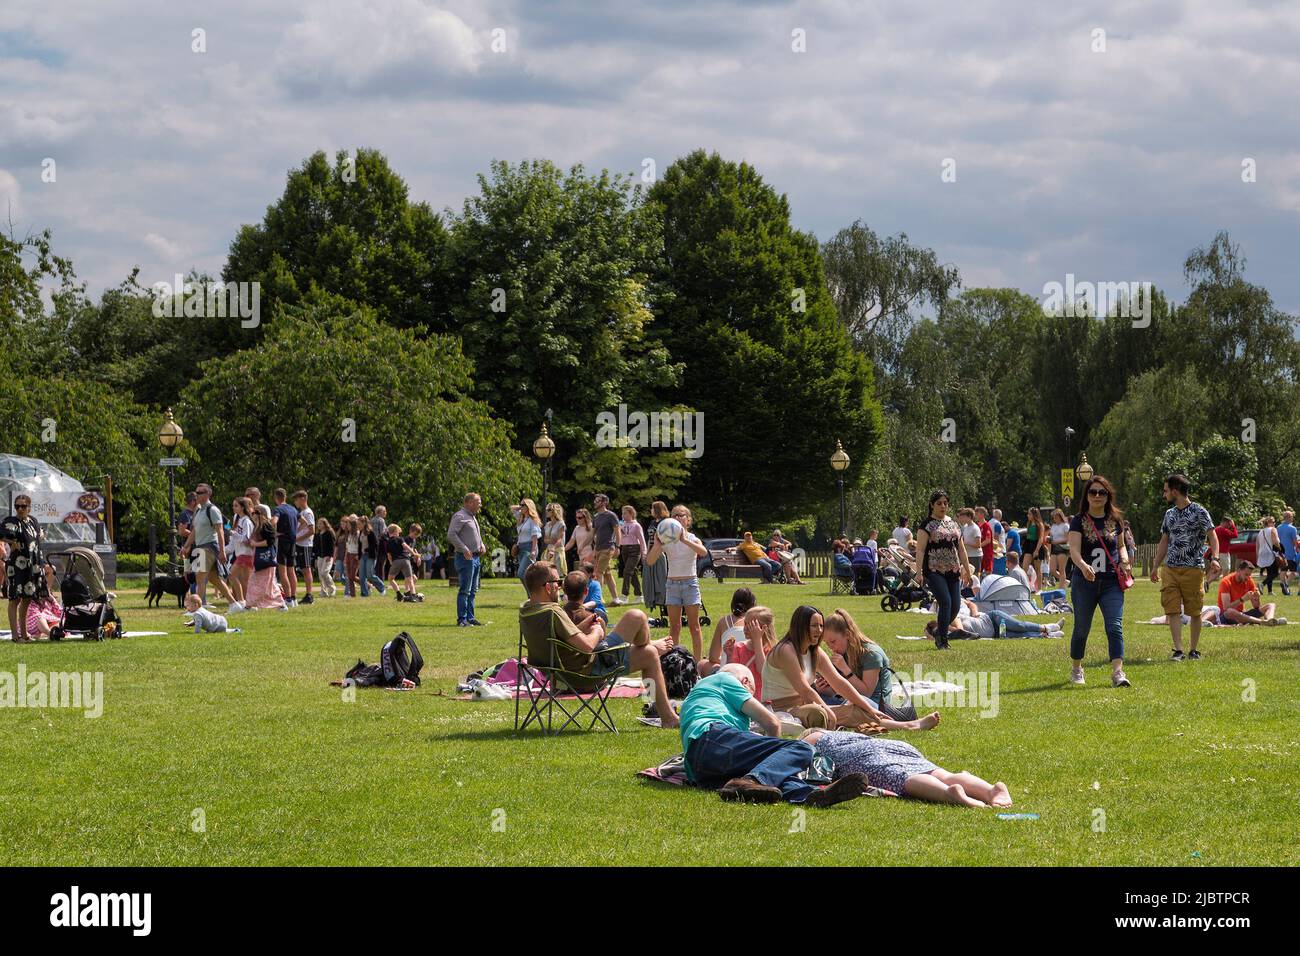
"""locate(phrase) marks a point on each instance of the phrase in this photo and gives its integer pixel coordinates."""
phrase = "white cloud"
(11, 207)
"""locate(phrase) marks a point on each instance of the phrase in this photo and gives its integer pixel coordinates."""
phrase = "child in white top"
(204, 620)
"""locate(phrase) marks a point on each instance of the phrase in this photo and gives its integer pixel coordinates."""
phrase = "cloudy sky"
(1110, 165)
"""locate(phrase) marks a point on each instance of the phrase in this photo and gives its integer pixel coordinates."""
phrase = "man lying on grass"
(722, 753)
(586, 649)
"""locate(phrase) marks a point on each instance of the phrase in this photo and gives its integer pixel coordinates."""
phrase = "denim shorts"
(683, 593)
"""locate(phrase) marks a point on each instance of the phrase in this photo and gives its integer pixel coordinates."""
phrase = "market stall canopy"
(60, 503)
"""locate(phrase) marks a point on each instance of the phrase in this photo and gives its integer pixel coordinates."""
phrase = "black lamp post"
(544, 448)
(839, 462)
(169, 436)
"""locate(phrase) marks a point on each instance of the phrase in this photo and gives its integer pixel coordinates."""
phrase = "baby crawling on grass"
(205, 620)
(899, 767)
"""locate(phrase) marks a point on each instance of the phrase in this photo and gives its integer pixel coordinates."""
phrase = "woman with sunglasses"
(24, 580)
(1096, 543)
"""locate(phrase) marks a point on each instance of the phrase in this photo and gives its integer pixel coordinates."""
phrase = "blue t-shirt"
(1286, 532)
(594, 594)
(1013, 541)
(718, 697)
(286, 522)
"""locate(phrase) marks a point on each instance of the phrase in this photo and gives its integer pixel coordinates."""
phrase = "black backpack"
(680, 672)
(399, 660)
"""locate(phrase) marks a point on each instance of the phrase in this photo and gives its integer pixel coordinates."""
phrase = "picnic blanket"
(5, 635)
(625, 687)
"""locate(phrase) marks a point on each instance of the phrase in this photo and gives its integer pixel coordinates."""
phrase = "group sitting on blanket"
(586, 649)
(1235, 591)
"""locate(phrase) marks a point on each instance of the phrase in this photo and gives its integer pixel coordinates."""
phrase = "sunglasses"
(552, 580)
(22, 507)
(1098, 493)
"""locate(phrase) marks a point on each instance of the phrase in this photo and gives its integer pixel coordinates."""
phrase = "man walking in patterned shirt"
(1186, 530)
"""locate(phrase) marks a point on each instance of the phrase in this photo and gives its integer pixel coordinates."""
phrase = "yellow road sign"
(1067, 483)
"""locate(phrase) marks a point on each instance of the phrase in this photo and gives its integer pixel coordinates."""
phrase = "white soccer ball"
(670, 530)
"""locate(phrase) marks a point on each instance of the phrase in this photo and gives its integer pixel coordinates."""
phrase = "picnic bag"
(401, 661)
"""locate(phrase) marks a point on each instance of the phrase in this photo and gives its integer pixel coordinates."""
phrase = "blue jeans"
(1014, 627)
(467, 571)
(525, 559)
(769, 568)
(1086, 596)
(946, 589)
(723, 753)
(367, 574)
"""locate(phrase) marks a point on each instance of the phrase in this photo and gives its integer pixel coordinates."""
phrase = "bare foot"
(1001, 795)
(958, 795)
(663, 645)
(928, 721)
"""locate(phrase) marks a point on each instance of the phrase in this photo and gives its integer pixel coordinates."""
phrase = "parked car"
(704, 564)
(1243, 545)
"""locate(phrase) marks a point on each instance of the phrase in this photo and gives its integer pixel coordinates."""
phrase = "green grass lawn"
(244, 733)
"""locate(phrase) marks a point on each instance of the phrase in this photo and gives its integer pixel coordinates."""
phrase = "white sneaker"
(1076, 674)
(1060, 625)
(1275, 622)
(235, 608)
(283, 607)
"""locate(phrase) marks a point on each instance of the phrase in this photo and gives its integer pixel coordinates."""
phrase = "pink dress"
(49, 610)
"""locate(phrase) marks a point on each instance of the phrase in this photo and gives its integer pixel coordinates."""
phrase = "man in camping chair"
(627, 646)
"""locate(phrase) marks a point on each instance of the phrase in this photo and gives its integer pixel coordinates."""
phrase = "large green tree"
(745, 304)
(349, 229)
(551, 271)
(358, 412)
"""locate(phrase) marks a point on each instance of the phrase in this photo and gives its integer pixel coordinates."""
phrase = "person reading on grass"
(723, 754)
(1238, 588)
(900, 768)
(796, 662)
(588, 650)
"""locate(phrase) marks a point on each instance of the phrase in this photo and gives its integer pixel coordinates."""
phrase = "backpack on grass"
(400, 661)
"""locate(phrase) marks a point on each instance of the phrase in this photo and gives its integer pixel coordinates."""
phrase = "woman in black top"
(1096, 543)
(941, 556)
(24, 567)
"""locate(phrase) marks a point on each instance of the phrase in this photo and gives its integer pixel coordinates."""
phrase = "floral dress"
(24, 568)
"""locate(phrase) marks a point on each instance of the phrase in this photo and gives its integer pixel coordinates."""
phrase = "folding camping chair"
(841, 584)
(543, 685)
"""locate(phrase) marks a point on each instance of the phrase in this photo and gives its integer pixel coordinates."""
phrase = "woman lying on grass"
(899, 767)
(794, 665)
(971, 623)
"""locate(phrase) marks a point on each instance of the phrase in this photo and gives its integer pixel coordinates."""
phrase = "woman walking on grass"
(1098, 559)
(941, 556)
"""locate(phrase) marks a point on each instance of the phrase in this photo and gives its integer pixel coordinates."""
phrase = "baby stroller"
(87, 606)
(865, 570)
(902, 585)
(662, 619)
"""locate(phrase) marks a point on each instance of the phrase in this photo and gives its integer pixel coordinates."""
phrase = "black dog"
(168, 584)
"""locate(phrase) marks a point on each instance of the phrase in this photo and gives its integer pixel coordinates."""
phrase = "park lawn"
(234, 749)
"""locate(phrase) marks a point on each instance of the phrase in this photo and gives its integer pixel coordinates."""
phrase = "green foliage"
(352, 231)
(568, 329)
(279, 414)
(745, 304)
(876, 283)
(1222, 472)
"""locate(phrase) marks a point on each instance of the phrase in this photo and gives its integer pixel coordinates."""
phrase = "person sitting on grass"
(798, 660)
(723, 754)
(205, 620)
(575, 589)
(972, 623)
(595, 597)
(587, 650)
(900, 768)
(728, 628)
(1235, 590)
(756, 640)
